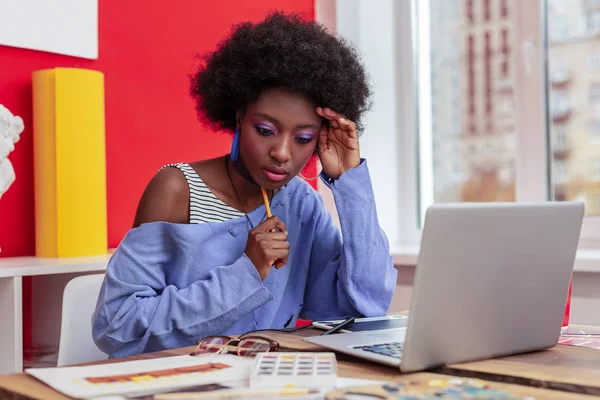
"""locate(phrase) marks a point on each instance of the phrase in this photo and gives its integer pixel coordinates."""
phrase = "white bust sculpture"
(10, 129)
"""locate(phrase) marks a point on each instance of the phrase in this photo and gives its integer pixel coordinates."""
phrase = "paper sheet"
(589, 330)
(252, 394)
(593, 342)
(146, 376)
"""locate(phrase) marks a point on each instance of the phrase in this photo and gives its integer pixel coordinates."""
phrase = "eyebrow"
(276, 122)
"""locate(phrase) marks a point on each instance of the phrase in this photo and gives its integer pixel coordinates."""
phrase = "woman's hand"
(338, 143)
(268, 249)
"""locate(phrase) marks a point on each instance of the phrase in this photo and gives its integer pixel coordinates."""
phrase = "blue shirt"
(168, 285)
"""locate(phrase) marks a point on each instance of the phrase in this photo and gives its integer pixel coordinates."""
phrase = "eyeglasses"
(243, 346)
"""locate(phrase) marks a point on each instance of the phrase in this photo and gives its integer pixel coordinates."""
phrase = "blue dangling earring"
(234, 156)
(235, 146)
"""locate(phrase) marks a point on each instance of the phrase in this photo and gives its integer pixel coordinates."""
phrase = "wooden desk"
(23, 386)
(567, 368)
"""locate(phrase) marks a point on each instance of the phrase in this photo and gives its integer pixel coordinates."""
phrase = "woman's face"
(279, 133)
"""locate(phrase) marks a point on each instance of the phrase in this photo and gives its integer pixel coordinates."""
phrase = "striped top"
(205, 207)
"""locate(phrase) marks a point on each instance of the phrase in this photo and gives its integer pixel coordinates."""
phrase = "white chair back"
(79, 301)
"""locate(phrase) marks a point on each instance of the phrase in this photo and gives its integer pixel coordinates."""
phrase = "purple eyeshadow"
(306, 135)
(266, 126)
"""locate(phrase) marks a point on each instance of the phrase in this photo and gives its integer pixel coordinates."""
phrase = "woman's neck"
(249, 192)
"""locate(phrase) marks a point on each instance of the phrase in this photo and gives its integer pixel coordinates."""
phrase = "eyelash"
(268, 132)
(303, 140)
(264, 131)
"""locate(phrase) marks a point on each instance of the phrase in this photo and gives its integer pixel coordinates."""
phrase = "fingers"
(321, 112)
(348, 126)
(282, 257)
(323, 139)
(272, 223)
(276, 236)
(272, 240)
(267, 248)
(274, 243)
(338, 120)
(280, 263)
(278, 252)
(279, 255)
(329, 115)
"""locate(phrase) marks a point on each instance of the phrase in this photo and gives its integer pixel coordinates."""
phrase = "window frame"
(533, 171)
(408, 190)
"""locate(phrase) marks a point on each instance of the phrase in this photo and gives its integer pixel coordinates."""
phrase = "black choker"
(240, 169)
(236, 193)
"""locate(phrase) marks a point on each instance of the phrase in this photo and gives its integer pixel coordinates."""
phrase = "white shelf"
(405, 255)
(587, 260)
(28, 266)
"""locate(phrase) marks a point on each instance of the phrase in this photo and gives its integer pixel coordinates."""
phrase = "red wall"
(146, 50)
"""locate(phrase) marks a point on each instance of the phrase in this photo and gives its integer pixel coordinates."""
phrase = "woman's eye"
(264, 131)
(303, 140)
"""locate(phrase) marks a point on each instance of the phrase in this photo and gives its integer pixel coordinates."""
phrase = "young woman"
(203, 258)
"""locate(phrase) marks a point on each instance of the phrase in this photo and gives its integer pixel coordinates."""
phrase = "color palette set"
(294, 370)
(435, 389)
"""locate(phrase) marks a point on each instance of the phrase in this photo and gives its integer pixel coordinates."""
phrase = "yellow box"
(69, 162)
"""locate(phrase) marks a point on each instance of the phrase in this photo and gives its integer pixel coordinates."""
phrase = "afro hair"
(283, 51)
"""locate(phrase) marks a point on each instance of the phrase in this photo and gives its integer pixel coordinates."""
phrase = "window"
(487, 105)
(469, 9)
(558, 70)
(500, 145)
(594, 129)
(486, 10)
(594, 60)
(575, 104)
(559, 138)
(506, 106)
(505, 50)
(558, 28)
(593, 22)
(559, 105)
(560, 172)
(504, 8)
(594, 94)
(595, 169)
(592, 201)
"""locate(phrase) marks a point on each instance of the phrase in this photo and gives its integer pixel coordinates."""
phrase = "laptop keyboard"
(392, 349)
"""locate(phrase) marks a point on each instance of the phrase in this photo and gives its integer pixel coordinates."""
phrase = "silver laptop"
(491, 280)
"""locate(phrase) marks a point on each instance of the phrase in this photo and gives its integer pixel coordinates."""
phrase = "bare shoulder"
(166, 198)
(209, 170)
(212, 172)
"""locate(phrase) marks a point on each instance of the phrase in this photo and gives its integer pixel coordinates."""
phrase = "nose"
(281, 150)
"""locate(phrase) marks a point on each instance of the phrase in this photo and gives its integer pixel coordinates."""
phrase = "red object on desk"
(568, 306)
(303, 322)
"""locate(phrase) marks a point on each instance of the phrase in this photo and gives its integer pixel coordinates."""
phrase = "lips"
(275, 173)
